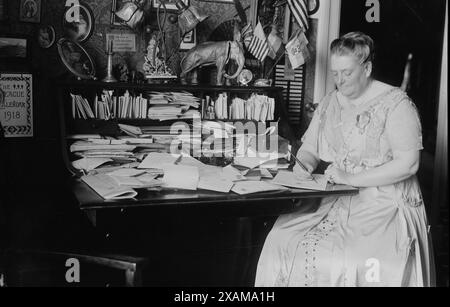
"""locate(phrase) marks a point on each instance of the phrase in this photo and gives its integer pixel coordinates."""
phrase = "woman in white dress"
(370, 132)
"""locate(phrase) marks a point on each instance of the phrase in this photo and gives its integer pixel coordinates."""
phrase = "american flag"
(258, 45)
(247, 34)
(299, 9)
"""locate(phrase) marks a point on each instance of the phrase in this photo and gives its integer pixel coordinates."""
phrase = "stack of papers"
(157, 160)
(257, 107)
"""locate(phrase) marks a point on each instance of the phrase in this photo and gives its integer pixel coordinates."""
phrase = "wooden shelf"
(166, 87)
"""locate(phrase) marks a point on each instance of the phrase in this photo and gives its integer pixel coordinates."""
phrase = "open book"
(107, 187)
(288, 179)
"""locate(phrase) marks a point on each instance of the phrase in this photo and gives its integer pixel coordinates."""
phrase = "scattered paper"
(180, 177)
(250, 187)
(288, 179)
(107, 187)
(214, 183)
(127, 172)
(157, 159)
(88, 164)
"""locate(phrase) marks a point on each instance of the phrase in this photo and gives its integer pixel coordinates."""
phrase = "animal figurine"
(213, 53)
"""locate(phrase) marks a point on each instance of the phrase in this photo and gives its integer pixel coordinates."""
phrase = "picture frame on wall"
(3, 10)
(189, 40)
(170, 4)
(14, 48)
(16, 104)
(30, 11)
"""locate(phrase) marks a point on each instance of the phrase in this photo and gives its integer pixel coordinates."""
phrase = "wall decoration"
(313, 6)
(16, 107)
(82, 30)
(3, 10)
(14, 48)
(30, 11)
(122, 42)
(189, 40)
(46, 36)
(76, 59)
(170, 4)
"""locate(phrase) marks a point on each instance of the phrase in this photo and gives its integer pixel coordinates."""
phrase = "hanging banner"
(16, 104)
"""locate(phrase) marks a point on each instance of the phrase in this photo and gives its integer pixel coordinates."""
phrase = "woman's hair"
(357, 44)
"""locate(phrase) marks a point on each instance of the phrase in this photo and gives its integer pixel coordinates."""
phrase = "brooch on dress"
(362, 120)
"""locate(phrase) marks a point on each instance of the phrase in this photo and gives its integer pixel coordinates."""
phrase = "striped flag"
(247, 34)
(299, 9)
(258, 46)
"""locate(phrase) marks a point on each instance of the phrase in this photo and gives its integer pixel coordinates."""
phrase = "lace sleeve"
(403, 127)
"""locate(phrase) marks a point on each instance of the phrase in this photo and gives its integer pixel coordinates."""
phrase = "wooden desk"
(186, 234)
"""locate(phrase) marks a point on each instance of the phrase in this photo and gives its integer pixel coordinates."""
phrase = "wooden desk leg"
(133, 278)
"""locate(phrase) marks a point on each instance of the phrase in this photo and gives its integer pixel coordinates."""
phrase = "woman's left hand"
(337, 176)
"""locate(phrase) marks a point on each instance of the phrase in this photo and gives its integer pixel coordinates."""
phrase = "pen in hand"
(302, 166)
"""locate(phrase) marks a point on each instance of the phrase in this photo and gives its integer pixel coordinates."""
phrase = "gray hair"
(357, 44)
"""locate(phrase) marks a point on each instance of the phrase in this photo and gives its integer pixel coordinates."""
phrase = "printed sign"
(16, 104)
(122, 42)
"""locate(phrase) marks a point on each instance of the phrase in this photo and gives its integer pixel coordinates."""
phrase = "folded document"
(107, 187)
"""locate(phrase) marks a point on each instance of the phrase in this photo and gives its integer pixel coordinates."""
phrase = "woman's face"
(351, 77)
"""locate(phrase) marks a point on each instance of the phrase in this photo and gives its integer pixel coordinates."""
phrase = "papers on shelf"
(88, 164)
(85, 145)
(250, 187)
(157, 159)
(180, 177)
(288, 179)
(107, 187)
(257, 107)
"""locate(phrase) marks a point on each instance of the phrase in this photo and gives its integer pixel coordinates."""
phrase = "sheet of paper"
(288, 179)
(127, 172)
(157, 159)
(107, 187)
(126, 181)
(250, 187)
(88, 164)
(232, 173)
(265, 173)
(180, 176)
(215, 183)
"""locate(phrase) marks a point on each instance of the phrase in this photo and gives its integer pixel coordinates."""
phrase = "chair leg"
(133, 278)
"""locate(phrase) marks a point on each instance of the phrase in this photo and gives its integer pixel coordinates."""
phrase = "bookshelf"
(74, 125)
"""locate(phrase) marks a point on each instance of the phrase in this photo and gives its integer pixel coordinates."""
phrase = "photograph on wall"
(30, 11)
(46, 36)
(13, 47)
(16, 105)
(170, 4)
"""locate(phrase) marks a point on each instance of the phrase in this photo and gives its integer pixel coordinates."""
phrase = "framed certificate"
(16, 104)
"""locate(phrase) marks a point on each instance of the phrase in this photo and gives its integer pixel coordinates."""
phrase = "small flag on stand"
(258, 46)
(247, 35)
(297, 49)
(275, 43)
(299, 9)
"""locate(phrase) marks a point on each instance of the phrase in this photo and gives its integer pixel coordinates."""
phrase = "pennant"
(297, 49)
(299, 9)
(275, 43)
(247, 35)
(258, 46)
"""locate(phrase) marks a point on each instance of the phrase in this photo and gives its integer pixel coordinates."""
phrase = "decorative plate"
(76, 59)
(78, 30)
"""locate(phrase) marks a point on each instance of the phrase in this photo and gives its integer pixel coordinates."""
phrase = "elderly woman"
(370, 132)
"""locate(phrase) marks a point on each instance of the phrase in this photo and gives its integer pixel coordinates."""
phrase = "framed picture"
(189, 40)
(30, 11)
(82, 30)
(14, 48)
(116, 5)
(170, 4)
(3, 10)
(46, 36)
(16, 104)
